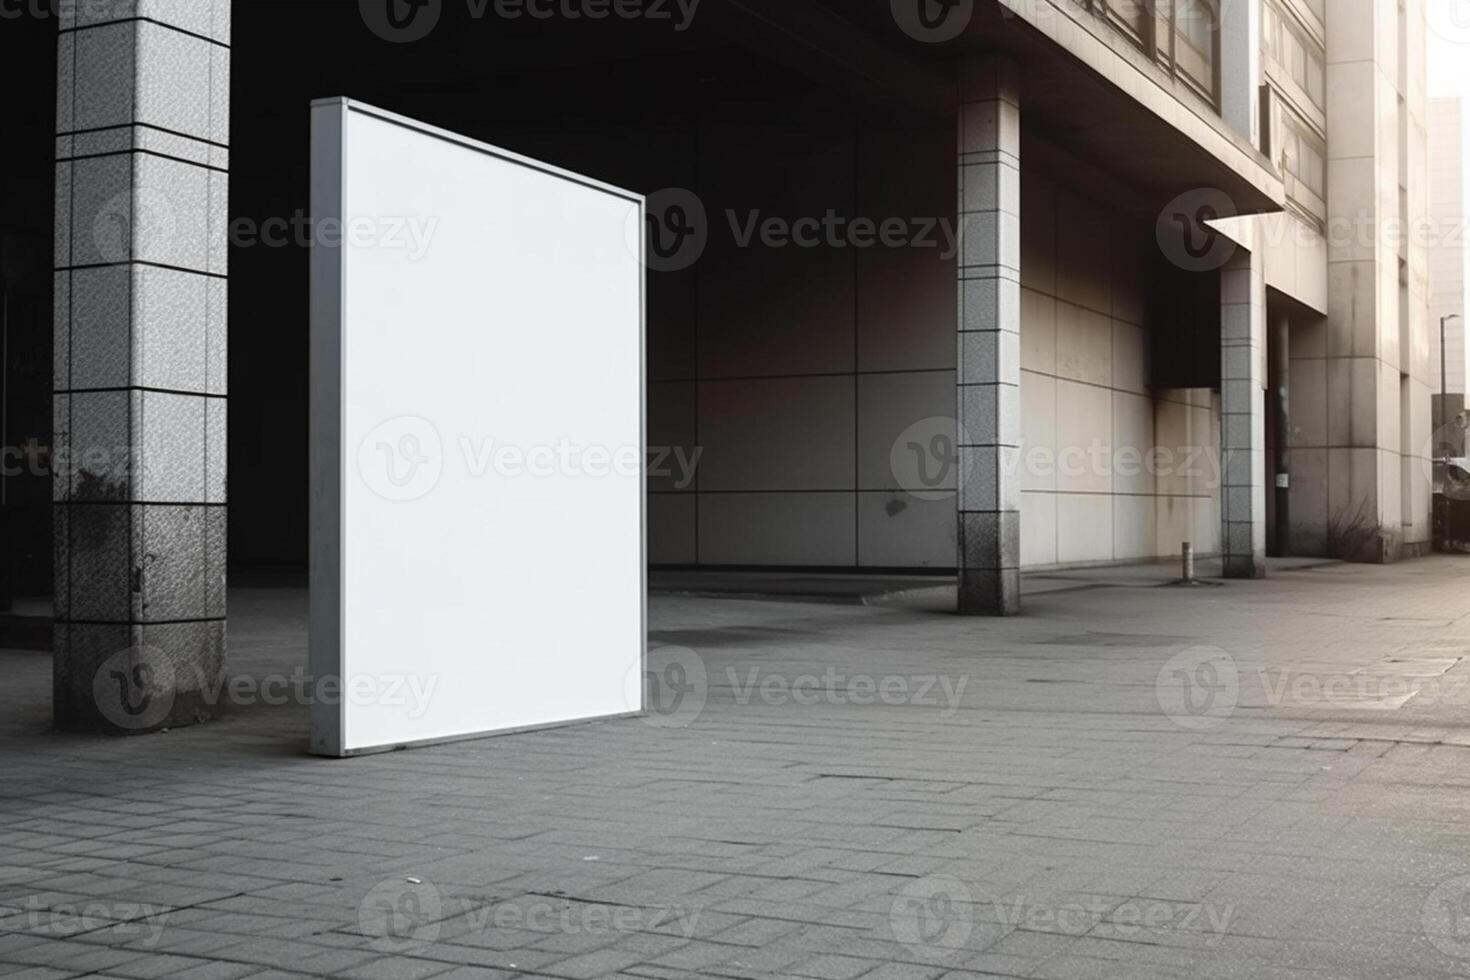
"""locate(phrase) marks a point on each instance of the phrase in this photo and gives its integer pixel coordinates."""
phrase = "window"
(1303, 154)
(1181, 35)
(1196, 28)
(1298, 56)
(1132, 16)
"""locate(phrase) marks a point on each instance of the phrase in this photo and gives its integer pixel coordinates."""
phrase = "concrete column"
(1243, 415)
(139, 486)
(1280, 403)
(989, 379)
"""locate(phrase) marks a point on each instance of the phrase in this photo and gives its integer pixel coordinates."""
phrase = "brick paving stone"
(1029, 829)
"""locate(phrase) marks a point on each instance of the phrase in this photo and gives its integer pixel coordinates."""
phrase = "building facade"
(1348, 278)
(971, 288)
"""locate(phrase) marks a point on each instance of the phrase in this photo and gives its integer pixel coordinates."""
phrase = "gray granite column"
(1243, 416)
(989, 378)
(141, 244)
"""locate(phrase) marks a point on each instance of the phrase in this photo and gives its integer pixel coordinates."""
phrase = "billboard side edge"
(328, 294)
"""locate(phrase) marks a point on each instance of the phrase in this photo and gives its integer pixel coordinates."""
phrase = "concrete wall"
(1361, 380)
(1088, 415)
(797, 370)
(818, 384)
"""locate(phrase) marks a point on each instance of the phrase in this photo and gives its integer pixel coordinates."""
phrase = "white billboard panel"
(477, 438)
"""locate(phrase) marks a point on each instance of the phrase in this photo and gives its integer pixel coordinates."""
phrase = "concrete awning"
(1084, 87)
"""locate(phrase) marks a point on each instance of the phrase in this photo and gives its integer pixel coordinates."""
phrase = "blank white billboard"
(477, 438)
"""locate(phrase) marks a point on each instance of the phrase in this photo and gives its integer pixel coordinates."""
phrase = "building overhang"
(1084, 87)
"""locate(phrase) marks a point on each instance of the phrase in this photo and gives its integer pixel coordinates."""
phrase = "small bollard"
(1188, 563)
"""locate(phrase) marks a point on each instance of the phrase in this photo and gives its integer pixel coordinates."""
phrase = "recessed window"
(1196, 27)
(1303, 154)
(1181, 35)
(1133, 16)
(1295, 53)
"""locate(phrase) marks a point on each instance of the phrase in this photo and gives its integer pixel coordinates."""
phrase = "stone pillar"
(141, 244)
(989, 375)
(1243, 415)
(1280, 404)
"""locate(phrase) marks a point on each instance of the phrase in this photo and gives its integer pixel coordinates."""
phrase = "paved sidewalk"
(1255, 780)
